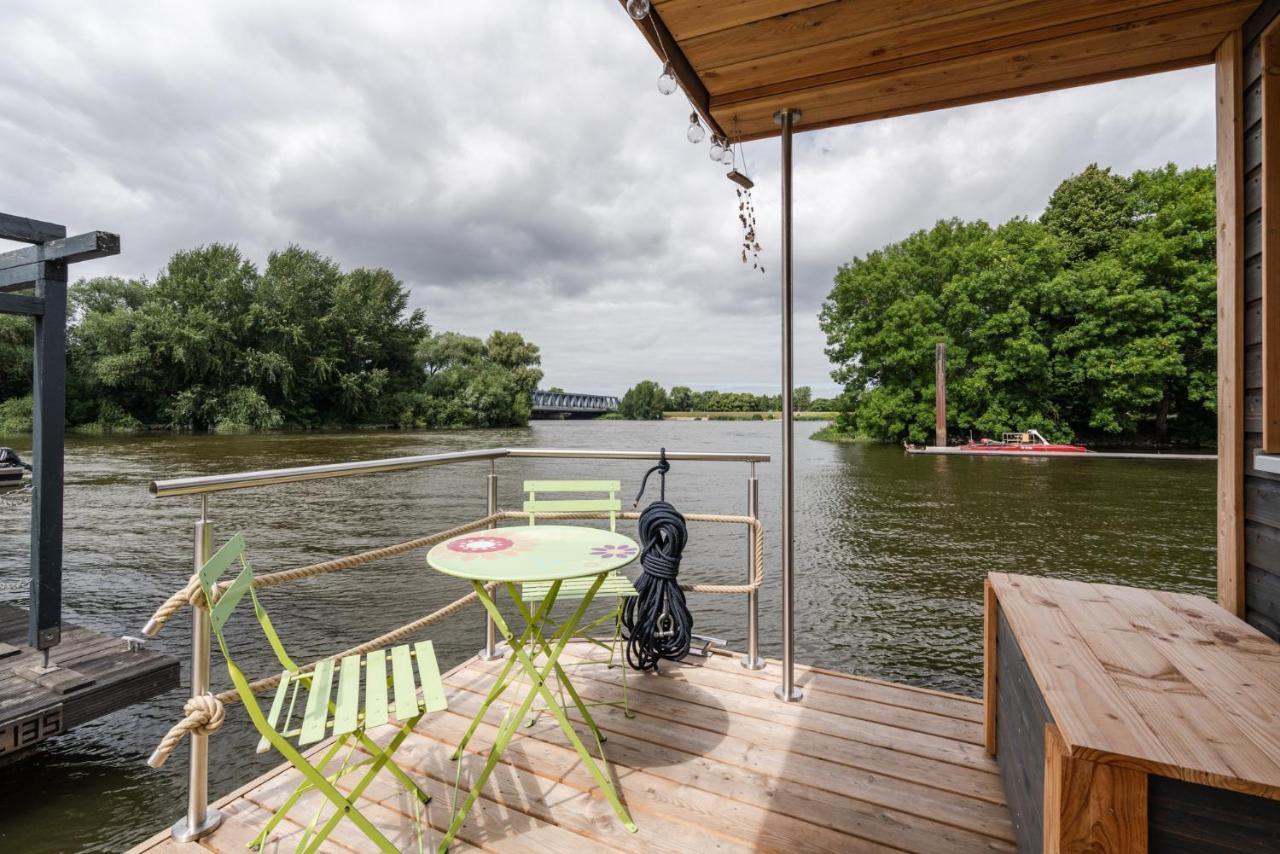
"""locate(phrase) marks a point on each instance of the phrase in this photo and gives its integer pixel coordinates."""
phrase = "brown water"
(891, 552)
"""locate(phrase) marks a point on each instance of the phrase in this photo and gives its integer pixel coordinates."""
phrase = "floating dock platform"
(1059, 455)
(90, 675)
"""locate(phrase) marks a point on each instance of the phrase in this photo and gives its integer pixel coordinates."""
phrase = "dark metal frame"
(42, 268)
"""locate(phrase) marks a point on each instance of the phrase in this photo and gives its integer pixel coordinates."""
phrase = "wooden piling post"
(940, 402)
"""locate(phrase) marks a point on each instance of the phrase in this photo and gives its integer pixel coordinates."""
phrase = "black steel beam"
(26, 230)
(16, 278)
(15, 304)
(82, 247)
(48, 414)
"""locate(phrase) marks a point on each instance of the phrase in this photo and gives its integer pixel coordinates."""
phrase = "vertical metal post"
(491, 651)
(200, 820)
(753, 661)
(787, 691)
(49, 405)
(940, 394)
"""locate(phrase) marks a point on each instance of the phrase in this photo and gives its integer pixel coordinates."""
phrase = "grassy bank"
(744, 416)
(831, 434)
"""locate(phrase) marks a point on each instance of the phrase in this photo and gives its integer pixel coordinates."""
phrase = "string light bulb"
(716, 152)
(696, 132)
(638, 9)
(667, 80)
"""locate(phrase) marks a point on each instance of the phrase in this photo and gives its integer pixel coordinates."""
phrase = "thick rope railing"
(192, 595)
(205, 715)
(757, 542)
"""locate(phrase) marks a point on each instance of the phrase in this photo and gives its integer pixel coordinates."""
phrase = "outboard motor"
(9, 457)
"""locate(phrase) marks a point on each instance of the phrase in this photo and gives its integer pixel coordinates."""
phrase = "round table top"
(532, 553)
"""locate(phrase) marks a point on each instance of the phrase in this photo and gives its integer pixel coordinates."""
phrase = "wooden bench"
(1131, 720)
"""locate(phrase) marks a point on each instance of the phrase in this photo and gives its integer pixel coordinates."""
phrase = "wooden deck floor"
(711, 761)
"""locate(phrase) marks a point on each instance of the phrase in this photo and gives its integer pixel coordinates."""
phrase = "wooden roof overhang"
(845, 61)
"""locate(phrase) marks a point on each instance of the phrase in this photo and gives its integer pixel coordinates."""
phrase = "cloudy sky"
(514, 164)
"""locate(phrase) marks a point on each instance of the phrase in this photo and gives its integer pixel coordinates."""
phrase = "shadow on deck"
(711, 761)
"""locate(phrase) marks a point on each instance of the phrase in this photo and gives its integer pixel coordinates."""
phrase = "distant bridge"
(548, 404)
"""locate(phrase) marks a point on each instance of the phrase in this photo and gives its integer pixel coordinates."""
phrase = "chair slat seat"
(326, 713)
(615, 584)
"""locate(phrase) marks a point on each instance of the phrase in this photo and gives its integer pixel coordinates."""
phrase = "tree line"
(214, 343)
(1096, 320)
(647, 401)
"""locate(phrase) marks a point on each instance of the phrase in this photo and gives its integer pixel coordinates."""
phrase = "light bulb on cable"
(666, 80)
(727, 157)
(696, 131)
(716, 152)
(638, 9)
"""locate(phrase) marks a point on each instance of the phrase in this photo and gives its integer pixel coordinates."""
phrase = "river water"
(891, 551)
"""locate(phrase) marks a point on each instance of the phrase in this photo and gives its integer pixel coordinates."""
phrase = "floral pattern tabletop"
(532, 553)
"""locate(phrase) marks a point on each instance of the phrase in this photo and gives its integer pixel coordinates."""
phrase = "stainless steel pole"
(491, 651)
(787, 691)
(200, 820)
(753, 661)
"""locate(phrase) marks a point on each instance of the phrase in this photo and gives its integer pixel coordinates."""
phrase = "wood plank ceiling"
(844, 61)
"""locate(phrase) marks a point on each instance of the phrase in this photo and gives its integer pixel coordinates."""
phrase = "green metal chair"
(345, 716)
(615, 584)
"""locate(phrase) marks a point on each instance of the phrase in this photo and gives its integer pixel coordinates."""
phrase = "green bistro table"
(523, 555)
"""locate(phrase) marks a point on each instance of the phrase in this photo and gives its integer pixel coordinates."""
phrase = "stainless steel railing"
(200, 820)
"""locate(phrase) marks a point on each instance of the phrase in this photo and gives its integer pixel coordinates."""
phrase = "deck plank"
(710, 761)
(877, 812)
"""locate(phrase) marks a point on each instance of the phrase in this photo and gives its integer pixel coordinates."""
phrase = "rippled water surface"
(891, 551)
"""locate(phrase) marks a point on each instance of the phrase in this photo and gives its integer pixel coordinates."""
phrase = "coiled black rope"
(657, 620)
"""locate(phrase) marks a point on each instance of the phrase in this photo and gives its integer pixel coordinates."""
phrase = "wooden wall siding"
(1021, 716)
(842, 61)
(1184, 818)
(1261, 491)
(1232, 398)
(1267, 198)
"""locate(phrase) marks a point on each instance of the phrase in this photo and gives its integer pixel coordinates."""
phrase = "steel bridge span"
(547, 404)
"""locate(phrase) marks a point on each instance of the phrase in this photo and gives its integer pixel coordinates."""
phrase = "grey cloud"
(516, 169)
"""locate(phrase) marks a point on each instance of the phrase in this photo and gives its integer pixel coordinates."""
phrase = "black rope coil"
(657, 620)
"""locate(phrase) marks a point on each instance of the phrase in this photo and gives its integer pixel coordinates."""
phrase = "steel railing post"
(491, 651)
(200, 820)
(753, 661)
(787, 691)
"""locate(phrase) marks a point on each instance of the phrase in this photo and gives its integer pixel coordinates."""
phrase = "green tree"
(801, 398)
(681, 399)
(213, 343)
(1091, 212)
(645, 401)
(1096, 319)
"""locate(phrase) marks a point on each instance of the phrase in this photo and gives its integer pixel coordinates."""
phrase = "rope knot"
(207, 714)
(195, 595)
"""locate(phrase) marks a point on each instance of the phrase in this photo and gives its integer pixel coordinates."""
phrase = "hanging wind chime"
(721, 149)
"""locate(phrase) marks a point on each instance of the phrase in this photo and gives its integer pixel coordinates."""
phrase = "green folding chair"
(615, 584)
(345, 716)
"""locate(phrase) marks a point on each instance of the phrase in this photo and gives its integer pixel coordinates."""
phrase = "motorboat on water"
(1023, 442)
(12, 468)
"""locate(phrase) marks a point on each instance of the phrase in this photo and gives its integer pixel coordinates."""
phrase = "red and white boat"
(1026, 441)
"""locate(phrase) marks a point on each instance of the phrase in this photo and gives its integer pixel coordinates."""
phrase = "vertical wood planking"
(1271, 237)
(1091, 807)
(1230, 190)
(989, 697)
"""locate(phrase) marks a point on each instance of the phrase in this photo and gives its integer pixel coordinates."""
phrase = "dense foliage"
(1098, 320)
(644, 401)
(214, 343)
(647, 401)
